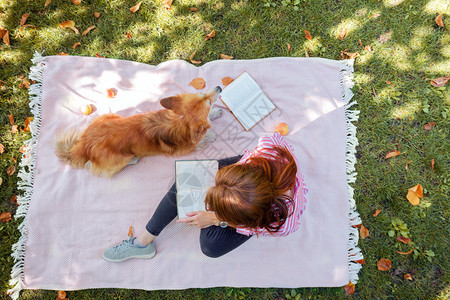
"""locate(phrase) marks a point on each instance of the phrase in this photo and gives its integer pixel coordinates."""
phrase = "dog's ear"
(173, 103)
(198, 130)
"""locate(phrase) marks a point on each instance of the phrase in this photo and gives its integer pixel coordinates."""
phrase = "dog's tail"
(65, 143)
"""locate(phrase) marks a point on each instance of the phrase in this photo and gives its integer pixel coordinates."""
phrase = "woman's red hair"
(251, 194)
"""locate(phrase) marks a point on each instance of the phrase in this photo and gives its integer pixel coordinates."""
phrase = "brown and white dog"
(111, 142)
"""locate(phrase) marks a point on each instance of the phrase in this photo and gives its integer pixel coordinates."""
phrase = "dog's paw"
(215, 113)
(209, 137)
(134, 161)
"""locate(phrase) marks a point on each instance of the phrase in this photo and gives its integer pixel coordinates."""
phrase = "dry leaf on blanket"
(439, 21)
(130, 232)
(69, 24)
(414, 194)
(308, 35)
(282, 128)
(111, 93)
(191, 58)
(227, 80)
(88, 29)
(429, 126)
(384, 264)
(24, 18)
(349, 288)
(86, 109)
(5, 217)
(392, 153)
(224, 56)
(210, 35)
(136, 7)
(198, 83)
(363, 232)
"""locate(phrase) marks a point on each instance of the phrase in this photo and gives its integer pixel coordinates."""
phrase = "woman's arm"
(201, 219)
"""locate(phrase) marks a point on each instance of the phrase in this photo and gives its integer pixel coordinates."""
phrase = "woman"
(259, 193)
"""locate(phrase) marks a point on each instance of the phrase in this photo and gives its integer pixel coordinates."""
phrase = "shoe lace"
(125, 244)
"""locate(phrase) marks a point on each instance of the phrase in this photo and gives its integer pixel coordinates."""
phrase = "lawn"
(399, 48)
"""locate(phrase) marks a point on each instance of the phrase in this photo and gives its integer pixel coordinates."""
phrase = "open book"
(193, 179)
(246, 101)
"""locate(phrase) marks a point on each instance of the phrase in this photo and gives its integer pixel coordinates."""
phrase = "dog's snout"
(218, 89)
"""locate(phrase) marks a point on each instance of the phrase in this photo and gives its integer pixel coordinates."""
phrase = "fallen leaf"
(306, 53)
(408, 276)
(360, 261)
(14, 160)
(191, 58)
(403, 239)
(407, 164)
(227, 80)
(198, 83)
(368, 48)
(14, 128)
(2, 148)
(61, 295)
(193, 8)
(363, 232)
(405, 253)
(62, 53)
(76, 2)
(282, 128)
(414, 194)
(11, 119)
(360, 43)
(432, 164)
(69, 24)
(224, 56)
(384, 264)
(377, 212)
(6, 37)
(439, 21)
(289, 47)
(23, 149)
(96, 15)
(308, 35)
(130, 232)
(14, 200)
(24, 18)
(429, 125)
(128, 35)
(27, 124)
(25, 26)
(111, 93)
(167, 4)
(11, 169)
(383, 38)
(388, 82)
(210, 35)
(136, 7)
(98, 55)
(374, 16)
(1, 181)
(349, 55)
(356, 226)
(76, 45)
(5, 217)
(441, 81)
(392, 153)
(342, 33)
(87, 30)
(349, 288)
(47, 3)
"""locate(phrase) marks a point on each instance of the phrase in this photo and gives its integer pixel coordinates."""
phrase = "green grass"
(409, 50)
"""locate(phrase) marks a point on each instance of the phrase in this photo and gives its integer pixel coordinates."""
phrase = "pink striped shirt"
(265, 145)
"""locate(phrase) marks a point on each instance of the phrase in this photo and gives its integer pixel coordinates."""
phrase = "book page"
(193, 179)
(236, 93)
(254, 110)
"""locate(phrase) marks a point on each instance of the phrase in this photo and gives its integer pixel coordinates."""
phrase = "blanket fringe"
(26, 175)
(354, 252)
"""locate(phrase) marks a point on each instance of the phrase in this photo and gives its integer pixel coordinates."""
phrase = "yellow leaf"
(191, 58)
(211, 35)
(76, 45)
(224, 56)
(392, 154)
(24, 18)
(439, 21)
(414, 194)
(6, 37)
(136, 7)
(227, 80)
(47, 3)
(198, 83)
(308, 35)
(69, 24)
(87, 30)
(76, 2)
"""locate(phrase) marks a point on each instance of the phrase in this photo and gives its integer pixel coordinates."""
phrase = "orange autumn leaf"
(76, 2)
(210, 35)
(227, 80)
(224, 56)
(360, 261)
(136, 7)
(368, 48)
(349, 288)
(96, 15)
(111, 93)
(384, 264)
(363, 232)
(432, 164)
(5, 217)
(87, 30)
(61, 295)
(429, 125)
(414, 194)
(377, 212)
(289, 47)
(441, 81)
(11, 119)
(76, 45)
(407, 164)
(405, 253)
(392, 153)
(27, 124)
(342, 33)
(69, 24)
(167, 4)
(14, 128)
(282, 128)
(198, 83)
(2, 148)
(23, 149)
(62, 53)
(98, 55)
(360, 43)
(14, 200)
(439, 21)
(403, 239)
(47, 3)
(193, 8)
(130, 232)
(408, 276)
(6, 37)
(349, 55)
(308, 35)
(24, 18)
(388, 82)
(191, 58)
(11, 169)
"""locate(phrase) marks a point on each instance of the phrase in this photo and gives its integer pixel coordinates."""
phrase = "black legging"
(214, 240)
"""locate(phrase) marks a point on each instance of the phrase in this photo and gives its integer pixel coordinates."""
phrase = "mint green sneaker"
(127, 250)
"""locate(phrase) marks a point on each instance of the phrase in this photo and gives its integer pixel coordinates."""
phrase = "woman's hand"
(201, 219)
